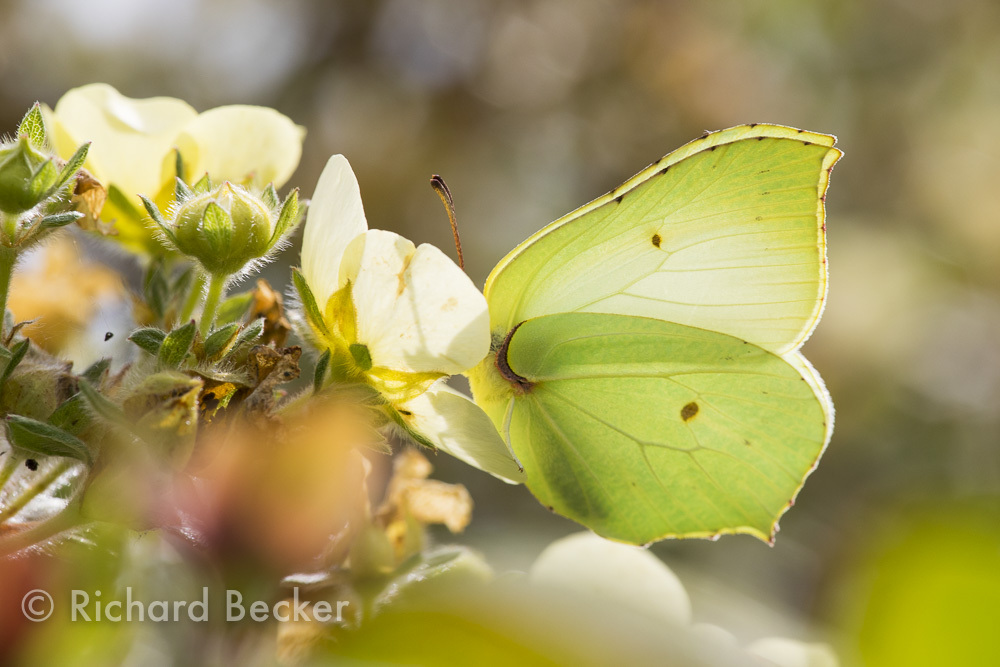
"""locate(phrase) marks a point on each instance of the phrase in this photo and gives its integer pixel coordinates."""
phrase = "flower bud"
(226, 228)
(35, 186)
(223, 229)
(36, 386)
(24, 176)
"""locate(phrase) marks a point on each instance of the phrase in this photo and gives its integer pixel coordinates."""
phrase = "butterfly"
(645, 367)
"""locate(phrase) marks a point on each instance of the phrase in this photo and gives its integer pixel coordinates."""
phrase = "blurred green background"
(531, 108)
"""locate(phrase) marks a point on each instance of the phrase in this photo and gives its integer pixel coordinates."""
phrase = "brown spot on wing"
(689, 411)
(656, 240)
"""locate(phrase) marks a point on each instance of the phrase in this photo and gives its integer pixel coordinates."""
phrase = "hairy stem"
(8, 257)
(36, 488)
(216, 287)
(194, 296)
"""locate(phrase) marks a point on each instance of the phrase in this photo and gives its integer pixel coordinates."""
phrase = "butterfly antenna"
(441, 188)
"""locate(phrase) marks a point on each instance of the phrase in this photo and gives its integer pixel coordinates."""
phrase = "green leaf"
(72, 416)
(220, 340)
(179, 167)
(414, 435)
(362, 357)
(181, 190)
(176, 345)
(43, 180)
(124, 202)
(309, 305)
(40, 438)
(149, 339)
(250, 334)
(102, 406)
(203, 186)
(234, 308)
(59, 219)
(270, 196)
(217, 227)
(96, 371)
(157, 290)
(72, 166)
(288, 217)
(17, 352)
(320, 375)
(158, 218)
(33, 126)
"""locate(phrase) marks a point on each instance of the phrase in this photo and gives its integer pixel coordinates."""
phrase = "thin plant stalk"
(36, 488)
(8, 257)
(216, 288)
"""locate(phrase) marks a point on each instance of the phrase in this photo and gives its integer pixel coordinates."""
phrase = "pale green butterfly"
(645, 366)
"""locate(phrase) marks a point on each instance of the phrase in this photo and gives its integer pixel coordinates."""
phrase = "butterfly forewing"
(725, 235)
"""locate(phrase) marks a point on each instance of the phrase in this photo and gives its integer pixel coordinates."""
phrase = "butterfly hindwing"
(644, 429)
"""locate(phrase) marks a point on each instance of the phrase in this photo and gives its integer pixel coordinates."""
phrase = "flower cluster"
(139, 147)
(195, 198)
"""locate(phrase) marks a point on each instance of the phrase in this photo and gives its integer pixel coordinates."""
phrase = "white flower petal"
(241, 143)
(335, 217)
(713, 635)
(783, 652)
(131, 138)
(629, 576)
(456, 425)
(416, 310)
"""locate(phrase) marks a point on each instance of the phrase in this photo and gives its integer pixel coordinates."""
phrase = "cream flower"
(399, 318)
(614, 577)
(134, 144)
